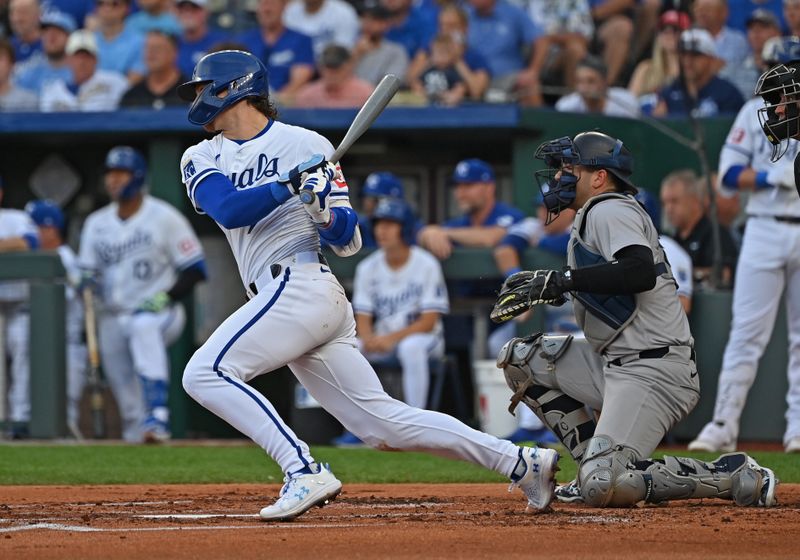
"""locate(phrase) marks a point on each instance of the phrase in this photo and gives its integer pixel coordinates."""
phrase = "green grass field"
(125, 464)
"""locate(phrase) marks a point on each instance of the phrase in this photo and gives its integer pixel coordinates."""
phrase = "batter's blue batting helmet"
(125, 157)
(239, 73)
(382, 184)
(45, 213)
(398, 211)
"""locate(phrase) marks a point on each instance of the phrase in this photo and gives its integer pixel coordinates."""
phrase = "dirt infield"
(376, 521)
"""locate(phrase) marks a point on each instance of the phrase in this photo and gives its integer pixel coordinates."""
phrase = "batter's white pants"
(302, 318)
(414, 353)
(769, 262)
(133, 345)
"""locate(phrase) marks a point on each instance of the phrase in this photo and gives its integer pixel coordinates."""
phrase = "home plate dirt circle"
(376, 521)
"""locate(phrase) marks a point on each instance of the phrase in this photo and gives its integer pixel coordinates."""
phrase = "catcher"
(637, 361)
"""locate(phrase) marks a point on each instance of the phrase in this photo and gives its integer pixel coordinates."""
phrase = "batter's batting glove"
(88, 281)
(314, 193)
(294, 178)
(154, 304)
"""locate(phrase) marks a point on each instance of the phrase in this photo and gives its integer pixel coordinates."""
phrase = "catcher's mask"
(590, 149)
(780, 116)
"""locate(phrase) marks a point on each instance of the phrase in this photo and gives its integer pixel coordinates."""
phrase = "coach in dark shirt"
(684, 200)
(159, 87)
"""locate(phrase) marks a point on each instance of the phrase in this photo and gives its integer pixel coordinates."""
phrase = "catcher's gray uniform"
(636, 365)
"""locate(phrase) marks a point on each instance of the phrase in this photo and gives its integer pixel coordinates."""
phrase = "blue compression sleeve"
(342, 227)
(232, 208)
(731, 177)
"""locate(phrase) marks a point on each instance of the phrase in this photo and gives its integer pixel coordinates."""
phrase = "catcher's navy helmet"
(129, 159)
(382, 184)
(397, 211)
(45, 213)
(780, 88)
(239, 73)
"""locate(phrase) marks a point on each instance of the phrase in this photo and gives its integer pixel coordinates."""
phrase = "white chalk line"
(99, 504)
(85, 529)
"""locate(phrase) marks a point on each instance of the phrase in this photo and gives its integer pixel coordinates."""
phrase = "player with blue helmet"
(377, 186)
(126, 170)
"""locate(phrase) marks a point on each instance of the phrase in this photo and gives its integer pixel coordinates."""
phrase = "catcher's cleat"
(535, 476)
(714, 438)
(302, 492)
(769, 483)
(569, 493)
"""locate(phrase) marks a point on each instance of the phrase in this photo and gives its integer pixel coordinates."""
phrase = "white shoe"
(715, 438)
(538, 481)
(769, 482)
(302, 492)
(569, 493)
(793, 446)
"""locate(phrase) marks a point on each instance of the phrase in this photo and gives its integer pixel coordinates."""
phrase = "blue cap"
(383, 183)
(57, 18)
(473, 171)
(45, 213)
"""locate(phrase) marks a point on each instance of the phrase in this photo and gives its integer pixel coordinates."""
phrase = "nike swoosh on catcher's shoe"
(302, 492)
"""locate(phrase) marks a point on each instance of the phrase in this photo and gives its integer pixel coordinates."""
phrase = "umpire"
(636, 364)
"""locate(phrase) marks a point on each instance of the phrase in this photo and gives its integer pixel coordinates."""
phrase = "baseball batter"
(636, 364)
(298, 313)
(769, 264)
(17, 233)
(145, 257)
(49, 218)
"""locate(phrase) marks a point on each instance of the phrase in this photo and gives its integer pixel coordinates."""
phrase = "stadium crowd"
(617, 57)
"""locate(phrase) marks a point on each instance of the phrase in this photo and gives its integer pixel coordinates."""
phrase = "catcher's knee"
(605, 478)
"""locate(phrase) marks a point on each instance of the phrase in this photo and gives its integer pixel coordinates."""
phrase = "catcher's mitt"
(523, 290)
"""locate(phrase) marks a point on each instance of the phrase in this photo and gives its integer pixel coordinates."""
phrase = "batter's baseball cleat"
(535, 475)
(569, 493)
(714, 438)
(301, 492)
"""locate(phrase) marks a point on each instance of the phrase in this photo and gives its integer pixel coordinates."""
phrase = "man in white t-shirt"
(399, 296)
(593, 95)
(325, 21)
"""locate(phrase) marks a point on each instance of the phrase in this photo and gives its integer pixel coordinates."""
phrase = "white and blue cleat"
(537, 479)
(302, 492)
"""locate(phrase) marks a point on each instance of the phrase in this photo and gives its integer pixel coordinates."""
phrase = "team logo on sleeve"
(188, 171)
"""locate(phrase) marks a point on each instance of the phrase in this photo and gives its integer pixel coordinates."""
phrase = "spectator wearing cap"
(657, 72)
(197, 37)
(739, 12)
(52, 65)
(377, 186)
(375, 55)
(484, 220)
(731, 44)
(705, 94)
(791, 13)
(593, 95)
(155, 14)
(762, 25)
(120, 47)
(89, 89)
(26, 31)
(337, 86)
(505, 35)
(410, 26)
(159, 88)
(327, 22)
(13, 97)
(471, 65)
(288, 54)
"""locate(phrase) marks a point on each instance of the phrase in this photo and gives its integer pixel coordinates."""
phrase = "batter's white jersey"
(15, 223)
(395, 298)
(747, 145)
(681, 264)
(138, 257)
(287, 229)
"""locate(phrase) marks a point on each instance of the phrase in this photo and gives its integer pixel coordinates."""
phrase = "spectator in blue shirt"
(712, 96)
(484, 220)
(78, 9)
(120, 48)
(410, 26)
(505, 35)
(26, 32)
(155, 15)
(732, 46)
(288, 54)
(197, 38)
(52, 63)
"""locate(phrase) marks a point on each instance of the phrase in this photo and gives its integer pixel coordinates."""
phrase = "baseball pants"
(17, 337)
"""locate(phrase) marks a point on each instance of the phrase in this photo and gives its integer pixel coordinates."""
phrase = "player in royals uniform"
(246, 178)
(145, 257)
(769, 262)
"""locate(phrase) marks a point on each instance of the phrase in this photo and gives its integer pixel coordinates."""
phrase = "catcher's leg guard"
(564, 415)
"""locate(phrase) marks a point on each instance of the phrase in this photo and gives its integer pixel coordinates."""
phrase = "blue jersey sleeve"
(232, 208)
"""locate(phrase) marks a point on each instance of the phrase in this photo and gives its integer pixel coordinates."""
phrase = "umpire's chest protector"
(604, 317)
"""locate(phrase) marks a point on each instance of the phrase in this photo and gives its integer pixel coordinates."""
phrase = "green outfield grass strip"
(186, 464)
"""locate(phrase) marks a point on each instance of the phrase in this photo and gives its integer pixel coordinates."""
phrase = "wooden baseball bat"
(97, 402)
(373, 107)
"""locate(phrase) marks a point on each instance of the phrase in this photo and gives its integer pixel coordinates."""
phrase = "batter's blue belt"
(649, 355)
(277, 268)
